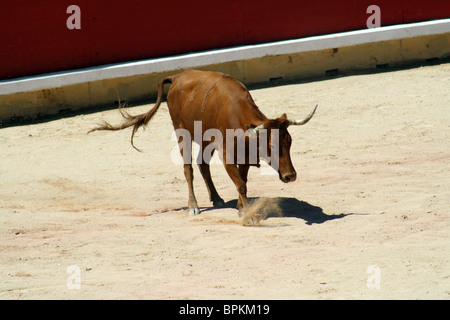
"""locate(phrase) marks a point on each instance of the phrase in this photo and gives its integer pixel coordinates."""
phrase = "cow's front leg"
(213, 195)
(241, 186)
(243, 172)
(192, 202)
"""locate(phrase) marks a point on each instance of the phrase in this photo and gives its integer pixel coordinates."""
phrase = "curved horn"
(305, 120)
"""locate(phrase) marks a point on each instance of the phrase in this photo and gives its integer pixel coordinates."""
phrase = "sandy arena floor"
(367, 218)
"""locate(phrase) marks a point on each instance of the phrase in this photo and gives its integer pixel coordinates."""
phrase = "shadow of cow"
(294, 208)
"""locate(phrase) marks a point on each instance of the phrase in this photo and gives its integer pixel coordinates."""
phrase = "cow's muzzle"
(288, 177)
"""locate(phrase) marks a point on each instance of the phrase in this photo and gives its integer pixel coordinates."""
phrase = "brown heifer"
(217, 101)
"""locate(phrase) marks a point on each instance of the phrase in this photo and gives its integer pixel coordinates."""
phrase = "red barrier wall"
(35, 39)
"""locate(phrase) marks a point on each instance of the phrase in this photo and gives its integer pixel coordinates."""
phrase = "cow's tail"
(136, 121)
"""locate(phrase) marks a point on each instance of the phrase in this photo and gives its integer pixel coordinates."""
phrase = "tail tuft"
(135, 121)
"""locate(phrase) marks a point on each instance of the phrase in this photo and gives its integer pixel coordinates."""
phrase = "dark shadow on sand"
(294, 208)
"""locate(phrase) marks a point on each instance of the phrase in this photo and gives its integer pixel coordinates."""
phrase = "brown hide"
(219, 102)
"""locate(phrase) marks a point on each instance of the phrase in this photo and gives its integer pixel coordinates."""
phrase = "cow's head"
(281, 139)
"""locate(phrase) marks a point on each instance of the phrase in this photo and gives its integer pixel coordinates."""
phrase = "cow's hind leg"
(192, 203)
(185, 145)
(213, 195)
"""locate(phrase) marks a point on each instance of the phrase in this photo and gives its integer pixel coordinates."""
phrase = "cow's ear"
(250, 128)
(284, 116)
(253, 128)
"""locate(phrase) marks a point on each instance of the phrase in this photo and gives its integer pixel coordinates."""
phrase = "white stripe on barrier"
(59, 79)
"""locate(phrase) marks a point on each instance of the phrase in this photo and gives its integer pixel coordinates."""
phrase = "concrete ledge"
(48, 94)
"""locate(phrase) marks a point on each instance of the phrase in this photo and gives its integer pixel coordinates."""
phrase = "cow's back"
(216, 99)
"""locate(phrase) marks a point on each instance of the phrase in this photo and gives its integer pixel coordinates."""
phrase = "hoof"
(193, 211)
(249, 221)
